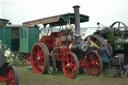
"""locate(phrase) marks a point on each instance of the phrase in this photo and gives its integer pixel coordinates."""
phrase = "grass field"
(27, 77)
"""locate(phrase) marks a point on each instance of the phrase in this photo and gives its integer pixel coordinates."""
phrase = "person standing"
(92, 45)
(105, 56)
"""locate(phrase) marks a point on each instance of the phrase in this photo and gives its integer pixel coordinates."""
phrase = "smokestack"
(77, 23)
(77, 20)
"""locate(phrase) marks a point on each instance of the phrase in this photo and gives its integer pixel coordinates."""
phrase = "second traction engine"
(64, 50)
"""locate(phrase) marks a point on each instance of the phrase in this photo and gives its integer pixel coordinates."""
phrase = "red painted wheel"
(93, 63)
(12, 76)
(39, 58)
(27, 59)
(70, 65)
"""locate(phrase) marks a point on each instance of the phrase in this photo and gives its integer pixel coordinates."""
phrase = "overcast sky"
(0, 9)
(104, 11)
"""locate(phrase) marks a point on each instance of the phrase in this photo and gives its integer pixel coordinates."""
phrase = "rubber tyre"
(15, 78)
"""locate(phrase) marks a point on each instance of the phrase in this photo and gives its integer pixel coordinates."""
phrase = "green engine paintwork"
(110, 36)
(119, 47)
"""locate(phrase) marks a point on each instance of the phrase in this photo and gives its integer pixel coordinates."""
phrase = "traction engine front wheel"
(12, 76)
(93, 63)
(70, 65)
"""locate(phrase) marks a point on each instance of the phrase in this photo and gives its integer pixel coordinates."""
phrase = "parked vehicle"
(8, 72)
(64, 49)
(117, 36)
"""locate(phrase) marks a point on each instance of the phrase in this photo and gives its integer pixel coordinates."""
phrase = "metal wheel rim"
(37, 65)
(94, 64)
(69, 65)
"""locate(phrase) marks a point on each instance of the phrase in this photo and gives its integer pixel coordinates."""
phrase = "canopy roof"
(3, 22)
(57, 20)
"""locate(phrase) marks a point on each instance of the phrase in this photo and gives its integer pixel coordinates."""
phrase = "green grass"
(27, 77)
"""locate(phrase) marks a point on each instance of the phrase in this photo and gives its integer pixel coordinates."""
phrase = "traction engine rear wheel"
(93, 63)
(70, 65)
(39, 58)
(12, 76)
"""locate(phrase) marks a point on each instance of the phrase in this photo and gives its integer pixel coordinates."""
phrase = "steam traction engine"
(8, 73)
(117, 36)
(63, 50)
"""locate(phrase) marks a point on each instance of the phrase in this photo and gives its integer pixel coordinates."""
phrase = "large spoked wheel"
(93, 63)
(12, 76)
(70, 65)
(39, 58)
(118, 23)
(27, 59)
(119, 28)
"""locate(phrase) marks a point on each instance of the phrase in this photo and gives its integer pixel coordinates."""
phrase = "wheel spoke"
(119, 25)
(38, 48)
(67, 59)
(72, 59)
(42, 62)
(40, 52)
(42, 57)
(35, 53)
